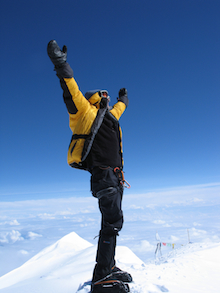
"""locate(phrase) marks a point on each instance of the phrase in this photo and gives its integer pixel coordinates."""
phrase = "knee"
(110, 207)
(112, 215)
(112, 227)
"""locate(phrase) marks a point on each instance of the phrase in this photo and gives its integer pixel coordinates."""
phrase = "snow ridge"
(67, 265)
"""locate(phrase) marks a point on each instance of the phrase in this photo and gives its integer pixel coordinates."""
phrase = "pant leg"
(112, 222)
(110, 200)
(105, 257)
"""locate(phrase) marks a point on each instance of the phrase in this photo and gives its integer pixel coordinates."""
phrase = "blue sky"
(166, 53)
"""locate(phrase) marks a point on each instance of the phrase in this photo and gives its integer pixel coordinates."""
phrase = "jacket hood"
(93, 97)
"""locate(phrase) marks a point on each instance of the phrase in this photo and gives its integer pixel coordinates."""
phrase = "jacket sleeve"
(76, 97)
(118, 110)
(73, 98)
(120, 107)
(77, 105)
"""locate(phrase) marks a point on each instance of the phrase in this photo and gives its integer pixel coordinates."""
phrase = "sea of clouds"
(177, 215)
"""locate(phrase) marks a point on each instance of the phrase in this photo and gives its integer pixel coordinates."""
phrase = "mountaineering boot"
(121, 275)
(109, 286)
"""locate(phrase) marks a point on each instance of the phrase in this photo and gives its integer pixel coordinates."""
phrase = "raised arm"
(75, 102)
(121, 105)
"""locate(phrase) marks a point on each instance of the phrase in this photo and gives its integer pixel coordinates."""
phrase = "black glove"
(123, 96)
(57, 56)
(123, 92)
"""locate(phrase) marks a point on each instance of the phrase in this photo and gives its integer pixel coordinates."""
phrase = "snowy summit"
(66, 266)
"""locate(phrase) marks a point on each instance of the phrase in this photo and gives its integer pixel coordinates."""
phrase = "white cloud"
(197, 232)
(178, 225)
(11, 237)
(143, 246)
(167, 225)
(14, 222)
(32, 235)
(159, 222)
(197, 199)
(46, 216)
(135, 207)
(179, 195)
(173, 238)
(215, 237)
(11, 223)
(23, 252)
(196, 224)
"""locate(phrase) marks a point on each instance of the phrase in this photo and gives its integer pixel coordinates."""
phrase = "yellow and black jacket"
(97, 136)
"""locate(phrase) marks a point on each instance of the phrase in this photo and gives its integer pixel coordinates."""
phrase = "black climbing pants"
(106, 187)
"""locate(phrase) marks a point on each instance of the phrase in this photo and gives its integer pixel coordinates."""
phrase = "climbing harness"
(121, 177)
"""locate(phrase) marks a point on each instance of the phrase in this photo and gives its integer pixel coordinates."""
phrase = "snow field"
(67, 264)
